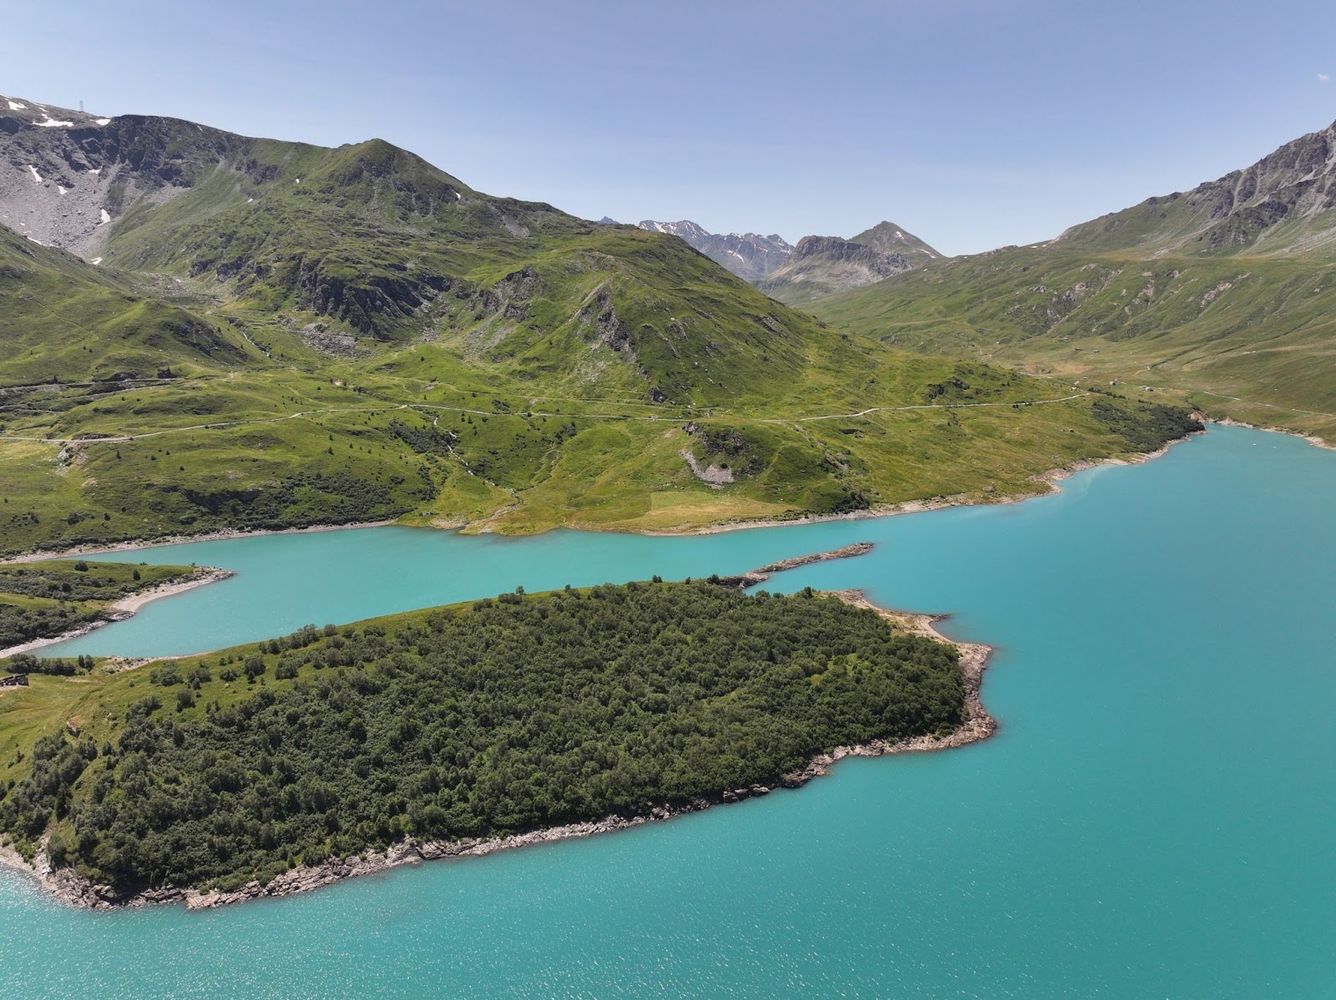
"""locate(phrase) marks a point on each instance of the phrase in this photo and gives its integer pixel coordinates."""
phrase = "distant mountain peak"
(888, 236)
(816, 266)
(750, 256)
(823, 265)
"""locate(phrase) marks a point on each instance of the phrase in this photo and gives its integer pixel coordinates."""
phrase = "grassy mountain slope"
(1222, 298)
(61, 318)
(280, 334)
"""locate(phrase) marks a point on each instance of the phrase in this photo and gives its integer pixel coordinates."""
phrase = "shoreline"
(1313, 439)
(221, 534)
(1045, 481)
(70, 888)
(126, 607)
(756, 577)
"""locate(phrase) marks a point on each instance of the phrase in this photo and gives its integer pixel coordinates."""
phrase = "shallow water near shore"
(1154, 818)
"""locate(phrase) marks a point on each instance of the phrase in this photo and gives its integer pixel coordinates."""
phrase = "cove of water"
(1156, 816)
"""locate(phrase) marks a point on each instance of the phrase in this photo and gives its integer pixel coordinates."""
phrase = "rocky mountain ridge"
(823, 265)
(1221, 296)
(65, 175)
(816, 266)
(748, 255)
(1279, 205)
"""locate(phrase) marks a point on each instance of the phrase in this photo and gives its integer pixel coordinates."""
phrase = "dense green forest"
(498, 717)
(43, 599)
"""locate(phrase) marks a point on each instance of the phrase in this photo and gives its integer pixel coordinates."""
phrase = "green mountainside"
(1222, 297)
(64, 319)
(203, 330)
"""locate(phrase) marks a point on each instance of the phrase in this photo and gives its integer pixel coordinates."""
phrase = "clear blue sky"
(974, 123)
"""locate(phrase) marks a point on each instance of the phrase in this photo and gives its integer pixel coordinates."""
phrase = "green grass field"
(410, 438)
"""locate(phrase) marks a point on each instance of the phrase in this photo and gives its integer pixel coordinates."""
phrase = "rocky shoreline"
(754, 577)
(126, 607)
(67, 886)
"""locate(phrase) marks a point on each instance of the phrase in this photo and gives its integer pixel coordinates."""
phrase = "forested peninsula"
(286, 764)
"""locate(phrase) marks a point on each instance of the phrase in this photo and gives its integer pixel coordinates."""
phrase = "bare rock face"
(1281, 204)
(822, 265)
(66, 176)
(715, 475)
(833, 250)
(825, 264)
(890, 238)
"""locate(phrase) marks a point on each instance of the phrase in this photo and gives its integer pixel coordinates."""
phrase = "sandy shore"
(69, 887)
(126, 607)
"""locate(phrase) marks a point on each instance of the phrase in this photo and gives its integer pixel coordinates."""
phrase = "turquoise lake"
(1156, 816)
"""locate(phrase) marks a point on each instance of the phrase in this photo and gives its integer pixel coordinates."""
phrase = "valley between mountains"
(1221, 298)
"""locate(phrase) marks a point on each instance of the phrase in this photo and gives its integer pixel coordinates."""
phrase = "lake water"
(1156, 817)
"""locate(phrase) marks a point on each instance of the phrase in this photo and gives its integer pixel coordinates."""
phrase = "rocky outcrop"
(758, 576)
(510, 296)
(364, 300)
(822, 265)
(716, 476)
(598, 321)
(1295, 185)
